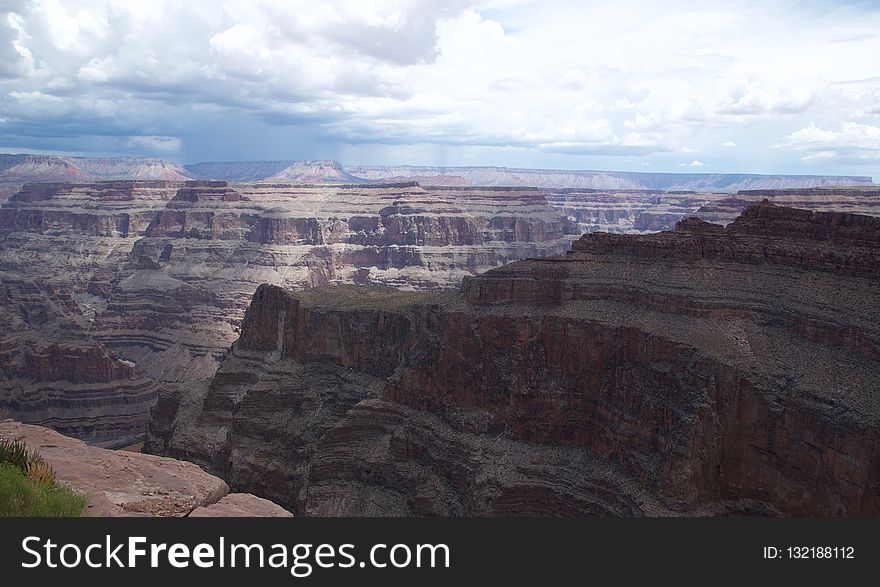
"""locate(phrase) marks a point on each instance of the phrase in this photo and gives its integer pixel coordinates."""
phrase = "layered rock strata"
(111, 290)
(702, 371)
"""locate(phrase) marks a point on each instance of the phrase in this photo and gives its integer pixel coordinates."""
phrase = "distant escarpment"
(595, 179)
(110, 290)
(16, 170)
(704, 371)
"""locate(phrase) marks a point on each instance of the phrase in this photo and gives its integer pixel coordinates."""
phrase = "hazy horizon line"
(81, 155)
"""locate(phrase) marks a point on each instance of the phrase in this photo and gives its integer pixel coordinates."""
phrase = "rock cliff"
(705, 371)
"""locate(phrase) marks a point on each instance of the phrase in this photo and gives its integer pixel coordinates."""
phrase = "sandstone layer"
(119, 483)
(704, 371)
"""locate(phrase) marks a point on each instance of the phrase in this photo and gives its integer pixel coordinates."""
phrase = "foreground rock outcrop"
(704, 371)
(119, 483)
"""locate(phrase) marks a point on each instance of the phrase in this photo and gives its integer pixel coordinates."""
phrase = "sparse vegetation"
(14, 453)
(39, 471)
(28, 487)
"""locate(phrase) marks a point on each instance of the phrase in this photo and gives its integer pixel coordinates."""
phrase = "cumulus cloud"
(584, 83)
(851, 141)
(15, 58)
(694, 163)
(746, 98)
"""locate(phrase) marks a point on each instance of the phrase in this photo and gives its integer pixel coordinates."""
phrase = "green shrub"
(15, 453)
(22, 497)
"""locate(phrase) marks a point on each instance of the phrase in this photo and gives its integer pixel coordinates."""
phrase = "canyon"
(346, 340)
(707, 370)
(114, 290)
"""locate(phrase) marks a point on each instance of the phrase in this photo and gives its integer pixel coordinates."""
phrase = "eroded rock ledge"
(704, 371)
(120, 483)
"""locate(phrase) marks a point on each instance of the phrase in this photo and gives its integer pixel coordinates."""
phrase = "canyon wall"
(704, 371)
(111, 291)
(60, 248)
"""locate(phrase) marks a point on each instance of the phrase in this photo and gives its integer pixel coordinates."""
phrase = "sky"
(772, 86)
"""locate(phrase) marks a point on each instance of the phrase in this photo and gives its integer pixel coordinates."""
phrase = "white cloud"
(852, 141)
(750, 97)
(694, 163)
(572, 79)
